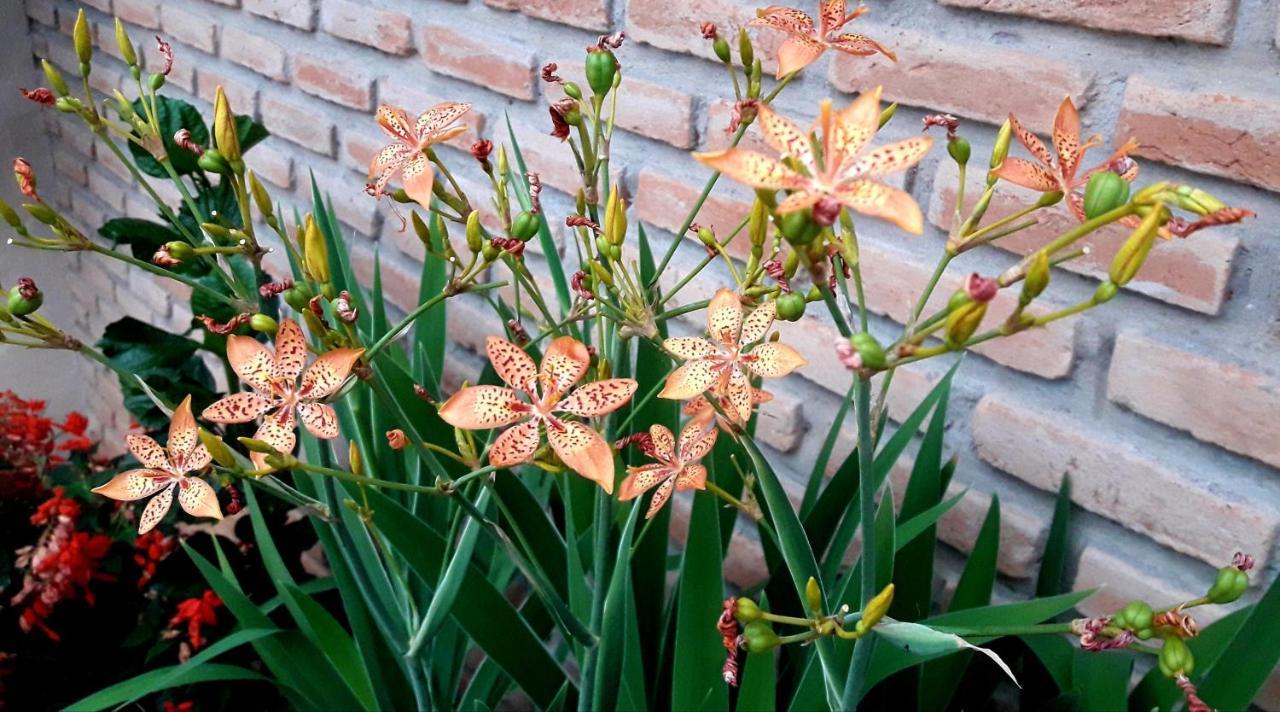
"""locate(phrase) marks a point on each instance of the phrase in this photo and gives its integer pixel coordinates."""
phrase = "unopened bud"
(24, 297)
(1229, 586)
(354, 461)
(615, 225)
(759, 637)
(316, 254)
(1049, 199)
(791, 306)
(870, 352)
(721, 48)
(127, 52)
(875, 610)
(179, 250)
(887, 114)
(55, 78)
(263, 324)
(959, 150)
(224, 128)
(217, 449)
(261, 197)
(979, 288)
(963, 321)
(83, 42)
(475, 232)
(1135, 249)
(746, 611)
(525, 226)
(1037, 278)
(396, 439)
(745, 50)
(9, 215)
(813, 596)
(213, 161)
(42, 212)
(1001, 149)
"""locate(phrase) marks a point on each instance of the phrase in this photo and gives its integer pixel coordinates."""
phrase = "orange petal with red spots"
(276, 431)
(133, 484)
(148, 451)
(328, 373)
(564, 363)
(1022, 172)
(237, 408)
(692, 477)
(724, 317)
(515, 444)
(582, 450)
(881, 201)
(688, 347)
(291, 351)
(198, 499)
(860, 46)
(785, 137)
(689, 380)
(320, 419)
(798, 52)
(696, 440)
(782, 18)
(198, 459)
(395, 121)
(848, 131)
(600, 397)
(511, 363)
(1066, 137)
(774, 360)
(800, 200)
(418, 179)
(757, 323)
(660, 497)
(754, 169)
(664, 443)
(1031, 141)
(640, 480)
(155, 510)
(483, 408)
(738, 393)
(183, 434)
(891, 158)
(831, 16)
(251, 361)
(435, 119)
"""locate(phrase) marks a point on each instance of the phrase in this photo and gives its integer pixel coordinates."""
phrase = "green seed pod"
(68, 104)
(156, 81)
(745, 50)
(1037, 278)
(9, 215)
(959, 150)
(55, 78)
(958, 299)
(316, 252)
(1105, 292)
(707, 237)
(1136, 616)
(760, 637)
(615, 253)
(20, 305)
(263, 324)
(601, 67)
(475, 232)
(746, 611)
(798, 228)
(573, 91)
(83, 42)
(721, 48)
(601, 274)
(127, 51)
(213, 162)
(298, 296)
(1104, 192)
(791, 306)
(489, 252)
(869, 349)
(1176, 658)
(1049, 199)
(525, 226)
(1229, 586)
(962, 322)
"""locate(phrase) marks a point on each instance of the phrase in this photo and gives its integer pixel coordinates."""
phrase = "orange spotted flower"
(407, 156)
(676, 468)
(547, 400)
(806, 43)
(1060, 173)
(721, 364)
(845, 175)
(276, 390)
(164, 469)
(700, 411)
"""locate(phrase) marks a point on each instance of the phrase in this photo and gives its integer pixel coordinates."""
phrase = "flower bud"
(1196, 200)
(1001, 149)
(179, 250)
(791, 306)
(260, 196)
(396, 439)
(68, 104)
(263, 324)
(1176, 658)
(601, 274)
(813, 596)
(759, 637)
(959, 150)
(798, 228)
(475, 232)
(213, 162)
(1229, 586)
(887, 114)
(745, 50)
(24, 297)
(127, 51)
(156, 81)
(753, 80)
(315, 252)
(218, 449)
(615, 217)
(870, 352)
(83, 42)
(573, 91)
(298, 296)
(875, 610)
(1105, 292)
(721, 47)
(1037, 278)
(1134, 251)
(490, 251)
(42, 212)
(601, 66)
(9, 215)
(524, 226)
(354, 461)
(225, 136)
(746, 611)
(963, 321)
(55, 77)
(1050, 199)
(1105, 192)
(707, 237)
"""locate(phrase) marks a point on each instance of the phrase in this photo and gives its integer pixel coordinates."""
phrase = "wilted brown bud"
(1225, 216)
(39, 95)
(343, 308)
(1242, 561)
(613, 41)
(578, 282)
(164, 258)
(509, 245)
(271, 289)
(535, 192)
(563, 114)
(182, 137)
(397, 439)
(28, 289)
(166, 51)
(223, 329)
(945, 121)
(582, 221)
(518, 332)
(26, 177)
(709, 31)
(549, 73)
(981, 289)
(481, 149)
(744, 112)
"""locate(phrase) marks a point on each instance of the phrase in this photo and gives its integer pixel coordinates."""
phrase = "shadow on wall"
(40, 374)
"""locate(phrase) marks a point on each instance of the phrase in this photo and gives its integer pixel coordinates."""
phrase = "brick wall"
(1162, 407)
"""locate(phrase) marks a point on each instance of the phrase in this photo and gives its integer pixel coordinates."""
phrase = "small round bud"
(1104, 192)
(791, 306)
(524, 226)
(746, 611)
(24, 297)
(263, 324)
(573, 91)
(869, 350)
(179, 250)
(213, 162)
(721, 48)
(798, 228)
(959, 150)
(298, 296)
(1229, 586)
(759, 637)
(1176, 658)
(1105, 292)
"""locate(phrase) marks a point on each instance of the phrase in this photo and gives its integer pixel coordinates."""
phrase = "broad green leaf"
(1054, 561)
(696, 682)
(172, 115)
(161, 359)
(1101, 681)
(1233, 680)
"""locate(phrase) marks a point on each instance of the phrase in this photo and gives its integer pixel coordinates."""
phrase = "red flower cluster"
(29, 443)
(149, 550)
(61, 564)
(197, 613)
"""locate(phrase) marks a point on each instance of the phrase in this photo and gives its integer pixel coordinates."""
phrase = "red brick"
(1208, 21)
(391, 32)
(981, 82)
(1236, 136)
(301, 125)
(400, 278)
(319, 76)
(718, 136)
(1118, 581)
(588, 14)
(676, 26)
(1173, 386)
(408, 93)
(1020, 530)
(664, 201)
(106, 78)
(549, 157)
(144, 13)
(351, 203)
(107, 188)
(272, 163)
(189, 28)
(299, 13)
(253, 51)
(1119, 482)
(70, 166)
(646, 108)
(1190, 273)
(486, 61)
(242, 95)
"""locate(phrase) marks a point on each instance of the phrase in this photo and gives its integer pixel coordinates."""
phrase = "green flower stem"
(586, 699)
(678, 311)
(369, 481)
(234, 303)
(975, 238)
(734, 502)
(421, 309)
(861, 663)
(703, 264)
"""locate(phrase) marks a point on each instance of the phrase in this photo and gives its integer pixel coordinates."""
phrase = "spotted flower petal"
(846, 132)
(515, 445)
(511, 363)
(798, 52)
(237, 408)
(641, 479)
(1031, 141)
(564, 363)
(757, 323)
(276, 431)
(198, 499)
(324, 377)
(660, 497)
(1066, 138)
(183, 434)
(774, 360)
(664, 443)
(786, 19)
(434, 120)
(860, 46)
(689, 347)
(881, 201)
(754, 169)
(891, 158)
(291, 351)
(1020, 171)
(320, 419)
(582, 450)
(148, 451)
(155, 510)
(134, 484)
(600, 397)
(724, 317)
(395, 121)
(251, 361)
(198, 459)
(696, 441)
(483, 408)
(738, 391)
(692, 477)
(785, 137)
(831, 16)
(388, 161)
(418, 178)
(691, 379)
